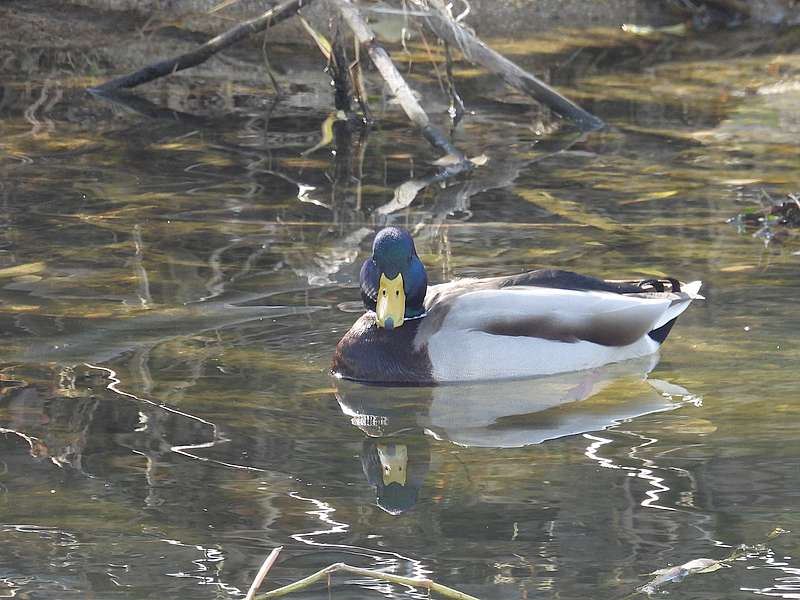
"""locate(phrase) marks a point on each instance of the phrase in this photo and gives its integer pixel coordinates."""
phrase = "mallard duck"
(535, 323)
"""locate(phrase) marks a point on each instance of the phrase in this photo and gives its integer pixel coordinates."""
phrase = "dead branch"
(275, 15)
(397, 85)
(477, 52)
(383, 63)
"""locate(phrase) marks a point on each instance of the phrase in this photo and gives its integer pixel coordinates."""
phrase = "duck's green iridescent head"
(393, 279)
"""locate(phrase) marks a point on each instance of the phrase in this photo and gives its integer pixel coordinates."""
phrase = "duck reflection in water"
(400, 422)
(396, 467)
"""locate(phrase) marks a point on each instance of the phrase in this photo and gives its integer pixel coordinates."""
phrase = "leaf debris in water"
(676, 574)
(651, 196)
(737, 268)
(26, 269)
(701, 565)
(776, 532)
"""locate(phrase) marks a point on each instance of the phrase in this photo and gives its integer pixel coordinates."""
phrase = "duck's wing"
(568, 280)
(544, 322)
(559, 315)
(559, 306)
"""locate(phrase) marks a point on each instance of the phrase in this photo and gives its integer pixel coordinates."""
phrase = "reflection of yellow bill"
(391, 305)
(394, 460)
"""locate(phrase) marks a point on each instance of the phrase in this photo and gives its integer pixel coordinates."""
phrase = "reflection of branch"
(184, 449)
(148, 109)
(42, 102)
(102, 339)
(140, 364)
(252, 168)
(138, 266)
(404, 195)
(216, 283)
(503, 173)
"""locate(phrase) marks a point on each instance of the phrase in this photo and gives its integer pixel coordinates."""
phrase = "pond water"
(175, 273)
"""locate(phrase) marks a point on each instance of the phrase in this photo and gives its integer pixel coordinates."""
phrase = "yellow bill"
(391, 305)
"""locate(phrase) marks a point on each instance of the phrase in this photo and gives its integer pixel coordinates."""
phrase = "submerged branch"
(273, 16)
(476, 51)
(325, 573)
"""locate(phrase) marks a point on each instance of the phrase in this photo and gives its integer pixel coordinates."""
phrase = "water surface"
(174, 275)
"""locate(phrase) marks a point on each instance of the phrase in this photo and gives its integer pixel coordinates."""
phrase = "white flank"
(461, 351)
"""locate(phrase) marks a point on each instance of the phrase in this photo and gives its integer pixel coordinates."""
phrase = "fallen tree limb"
(325, 573)
(273, 16)
(397, 85)
(477, 52)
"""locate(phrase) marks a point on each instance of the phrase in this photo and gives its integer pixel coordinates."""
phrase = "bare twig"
(476, 51)
(262, 573)
(427, 584)
(275, 15)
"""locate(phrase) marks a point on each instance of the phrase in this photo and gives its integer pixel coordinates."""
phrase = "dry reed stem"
(427, 584)
(262, 573)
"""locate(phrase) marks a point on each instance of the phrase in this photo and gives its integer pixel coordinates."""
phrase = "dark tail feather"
(660, 334)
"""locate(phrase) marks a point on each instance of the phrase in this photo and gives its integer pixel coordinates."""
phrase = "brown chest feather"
(373, 354)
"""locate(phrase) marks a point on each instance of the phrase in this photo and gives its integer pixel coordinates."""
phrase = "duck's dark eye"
(384, 292)
(397, 293)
